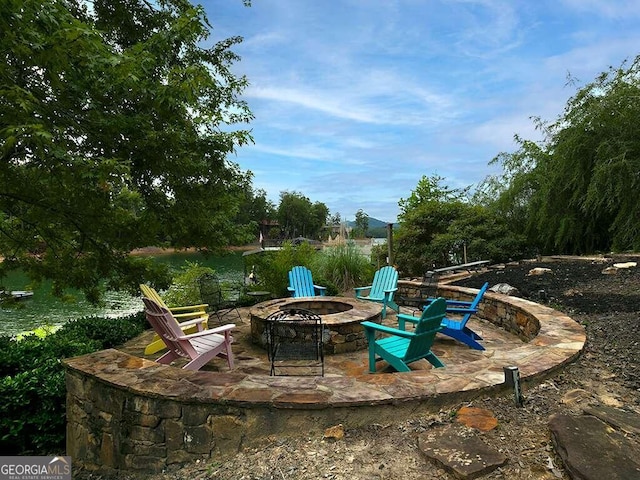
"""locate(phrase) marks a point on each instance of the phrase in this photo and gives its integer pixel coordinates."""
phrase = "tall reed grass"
(344, 266)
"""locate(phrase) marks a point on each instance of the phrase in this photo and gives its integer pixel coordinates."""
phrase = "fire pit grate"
(294, 342)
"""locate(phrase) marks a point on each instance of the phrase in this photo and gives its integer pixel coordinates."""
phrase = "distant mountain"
(373, 223)
(377, 228)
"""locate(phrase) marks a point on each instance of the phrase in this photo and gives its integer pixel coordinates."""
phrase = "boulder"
(463, 454)
(592, 450)
(505, 289)
(539, 271)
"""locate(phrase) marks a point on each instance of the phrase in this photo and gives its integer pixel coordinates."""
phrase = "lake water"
(45, 309)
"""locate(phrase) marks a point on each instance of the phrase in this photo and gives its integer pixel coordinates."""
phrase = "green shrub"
(339, 268)
(272, 268)
(32, 413)
(32, 383)
(185, 289)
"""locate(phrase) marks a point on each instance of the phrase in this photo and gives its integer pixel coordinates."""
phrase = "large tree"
(577, 190)
(440, 226)
(299, 217)
(362, 223)
(114, 134)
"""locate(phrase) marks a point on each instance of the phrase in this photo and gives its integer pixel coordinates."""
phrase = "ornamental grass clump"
(345, 267)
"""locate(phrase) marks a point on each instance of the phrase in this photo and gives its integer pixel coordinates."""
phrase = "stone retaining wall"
(493, 308)
(129, 413)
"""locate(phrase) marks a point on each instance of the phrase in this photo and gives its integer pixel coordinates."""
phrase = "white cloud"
(355, 100)
(607, 8)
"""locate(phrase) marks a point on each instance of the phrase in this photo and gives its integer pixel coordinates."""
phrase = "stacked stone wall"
(129, 413)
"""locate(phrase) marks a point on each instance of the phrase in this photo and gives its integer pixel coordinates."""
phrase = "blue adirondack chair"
(381, 290)
(403, 347)
(458, 328)
(462, 303)
(301, 283)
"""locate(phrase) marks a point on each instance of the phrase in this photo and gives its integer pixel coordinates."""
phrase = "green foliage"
(362, 224)
(299, 217)
(379, 255)
(438, 226)
(116, 123)
(272, 268)
(254, 208)
(185, 289)
(32, 382)
(32, 417)
(576, 192)
(344, 267)
(430, 190)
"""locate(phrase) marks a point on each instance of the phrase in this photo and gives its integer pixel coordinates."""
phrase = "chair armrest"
(190, 315)
(319, 287)
(461, 310)
(453, 303)
(209, 331)
(458, 303)
(385, 329)
(403, 317)
(202, 306)
(195, 321)
(357, 289)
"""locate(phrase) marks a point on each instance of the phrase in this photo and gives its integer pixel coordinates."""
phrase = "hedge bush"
(32, 383)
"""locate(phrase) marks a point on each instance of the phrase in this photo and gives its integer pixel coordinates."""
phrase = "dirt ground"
(608, 305)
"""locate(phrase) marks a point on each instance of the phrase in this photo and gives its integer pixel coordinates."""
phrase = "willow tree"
(576, 191)
(116, 121)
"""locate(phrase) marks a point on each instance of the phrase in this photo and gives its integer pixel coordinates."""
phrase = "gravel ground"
(608, 305)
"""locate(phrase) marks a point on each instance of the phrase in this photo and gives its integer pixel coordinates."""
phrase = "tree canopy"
(576, 191)
(362, 224)
(297, 216)
(115, 128)
(439, 225)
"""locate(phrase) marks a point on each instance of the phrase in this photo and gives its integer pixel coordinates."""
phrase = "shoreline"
(171, 250)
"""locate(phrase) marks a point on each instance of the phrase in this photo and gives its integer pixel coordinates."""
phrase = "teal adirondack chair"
(403, 347)
(301, 283)
(382, 289)
(458, 328)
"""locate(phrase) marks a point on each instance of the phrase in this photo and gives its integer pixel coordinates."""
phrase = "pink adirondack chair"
(199, 347)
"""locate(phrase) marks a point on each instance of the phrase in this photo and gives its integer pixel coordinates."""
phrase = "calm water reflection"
(44, 309)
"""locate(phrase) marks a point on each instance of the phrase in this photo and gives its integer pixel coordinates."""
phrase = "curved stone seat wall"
(129, 413)
(493, 308)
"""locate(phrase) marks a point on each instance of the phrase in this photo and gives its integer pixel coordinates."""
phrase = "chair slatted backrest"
(210, 290)
(473, 307)
(384, 280)
(301, 281)
(151, 293)
(426, 329)
(476, 301)
(167, 328)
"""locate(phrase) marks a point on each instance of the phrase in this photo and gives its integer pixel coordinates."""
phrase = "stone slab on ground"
(592, 450)
(460, 452)
(622, 420)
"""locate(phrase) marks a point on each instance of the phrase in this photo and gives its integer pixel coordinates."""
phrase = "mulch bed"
(607, 304)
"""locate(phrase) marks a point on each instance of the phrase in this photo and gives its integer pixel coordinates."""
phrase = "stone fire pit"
(341, 317)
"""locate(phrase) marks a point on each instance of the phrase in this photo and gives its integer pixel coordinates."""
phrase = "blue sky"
(356, 100)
